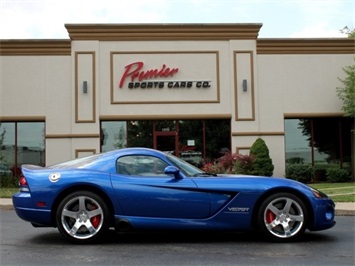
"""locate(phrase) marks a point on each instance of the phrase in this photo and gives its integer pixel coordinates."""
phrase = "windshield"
(186, 168)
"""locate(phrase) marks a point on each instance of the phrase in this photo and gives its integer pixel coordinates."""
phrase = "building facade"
(194, 90)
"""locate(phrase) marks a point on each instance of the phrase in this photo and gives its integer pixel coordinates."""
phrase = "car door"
(143, 189)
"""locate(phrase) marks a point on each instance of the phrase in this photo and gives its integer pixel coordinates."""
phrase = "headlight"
(318, 194)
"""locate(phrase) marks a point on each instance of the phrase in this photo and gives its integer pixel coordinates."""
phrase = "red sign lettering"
(133, 71)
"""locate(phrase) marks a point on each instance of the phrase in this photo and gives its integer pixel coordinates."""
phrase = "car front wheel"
(282, 217)
(82, 217)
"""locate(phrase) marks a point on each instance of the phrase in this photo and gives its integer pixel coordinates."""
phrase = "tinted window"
(139, 165)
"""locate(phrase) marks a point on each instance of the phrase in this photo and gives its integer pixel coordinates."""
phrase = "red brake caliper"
(95, 221)
(270, 216)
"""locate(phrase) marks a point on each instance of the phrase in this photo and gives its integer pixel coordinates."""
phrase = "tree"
(323, 135)
(349, 32)
(262, 164)
(347, 95)
(140, 133)
(2, 137)
(347, 92)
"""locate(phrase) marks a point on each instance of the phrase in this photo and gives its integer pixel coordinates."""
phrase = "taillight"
(23, 183)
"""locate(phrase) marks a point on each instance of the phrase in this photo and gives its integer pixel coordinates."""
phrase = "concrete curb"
(341, 208)
(345, 208)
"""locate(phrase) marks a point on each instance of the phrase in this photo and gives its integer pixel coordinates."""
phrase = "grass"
(7, 192)
(339, 192)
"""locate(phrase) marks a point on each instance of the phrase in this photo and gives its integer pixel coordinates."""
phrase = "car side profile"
(145, 189)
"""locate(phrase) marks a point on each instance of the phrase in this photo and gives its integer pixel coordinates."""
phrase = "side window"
(140, 165)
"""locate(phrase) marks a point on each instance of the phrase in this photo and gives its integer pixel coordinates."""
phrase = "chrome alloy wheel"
(82, 217)
(284, 217)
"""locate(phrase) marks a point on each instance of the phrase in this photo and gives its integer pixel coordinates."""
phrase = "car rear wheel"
(82, 217)
(282, 217)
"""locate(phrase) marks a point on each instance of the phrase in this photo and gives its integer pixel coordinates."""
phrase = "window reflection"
(113, 135)
(191, 141)
(297, 145)
(138, 165)
(22, 143)
(140, 133)
(318, 141)
(30, 143)
(217, 138)
(165, 125)
(198, 140)
(7, 146)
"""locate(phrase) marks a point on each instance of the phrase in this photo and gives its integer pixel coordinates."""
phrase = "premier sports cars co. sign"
(138, 77)
(164, 77)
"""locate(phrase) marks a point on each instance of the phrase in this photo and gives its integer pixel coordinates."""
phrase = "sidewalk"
(341, 208)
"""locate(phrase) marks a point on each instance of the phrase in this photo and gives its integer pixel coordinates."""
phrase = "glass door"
(166, 137)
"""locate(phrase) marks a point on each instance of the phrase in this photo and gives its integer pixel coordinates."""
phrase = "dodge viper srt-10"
(145, 189)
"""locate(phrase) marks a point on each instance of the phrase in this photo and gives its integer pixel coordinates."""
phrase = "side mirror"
(172, 170)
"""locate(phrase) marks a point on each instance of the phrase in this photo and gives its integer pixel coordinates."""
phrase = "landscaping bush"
(8, 181)
(226, 162)
(262, 164)
(213, 168)
(230, 164)
(320, 175)
(243, 164)
(300, 172)
(336, 175)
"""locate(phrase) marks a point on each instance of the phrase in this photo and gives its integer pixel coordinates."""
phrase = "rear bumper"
(26, 210)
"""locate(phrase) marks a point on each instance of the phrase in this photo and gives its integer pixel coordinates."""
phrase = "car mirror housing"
(172, 170)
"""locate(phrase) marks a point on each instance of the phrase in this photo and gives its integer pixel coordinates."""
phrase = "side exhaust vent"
(123, 225)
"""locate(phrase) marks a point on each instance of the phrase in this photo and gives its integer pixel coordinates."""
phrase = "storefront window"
(195, 141)
(7, 148)
(217, 138)
(326, 140)
(298, 149)
(318, 141)
(21, 143)
(140, 134)
(191, 141)
(165, 125)
(113, 135)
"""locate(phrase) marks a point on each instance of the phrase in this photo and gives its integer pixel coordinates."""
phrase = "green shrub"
(320, 175)
(335, 175)
(8, 181)
(262, 164)
(320, 171)
(300, 172)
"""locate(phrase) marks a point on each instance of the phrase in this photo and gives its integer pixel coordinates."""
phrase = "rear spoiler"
(31, 167)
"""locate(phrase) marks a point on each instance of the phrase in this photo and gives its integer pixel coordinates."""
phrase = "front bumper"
(324, 214)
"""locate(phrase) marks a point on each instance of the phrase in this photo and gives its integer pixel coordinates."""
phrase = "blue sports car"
(145, 189)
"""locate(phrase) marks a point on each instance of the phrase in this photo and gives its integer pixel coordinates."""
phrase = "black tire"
(282, 217)
(82, 217)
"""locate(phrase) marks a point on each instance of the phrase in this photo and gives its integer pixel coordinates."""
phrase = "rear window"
(77, 163)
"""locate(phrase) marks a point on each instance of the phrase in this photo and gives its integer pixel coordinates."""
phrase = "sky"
(45, 19)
